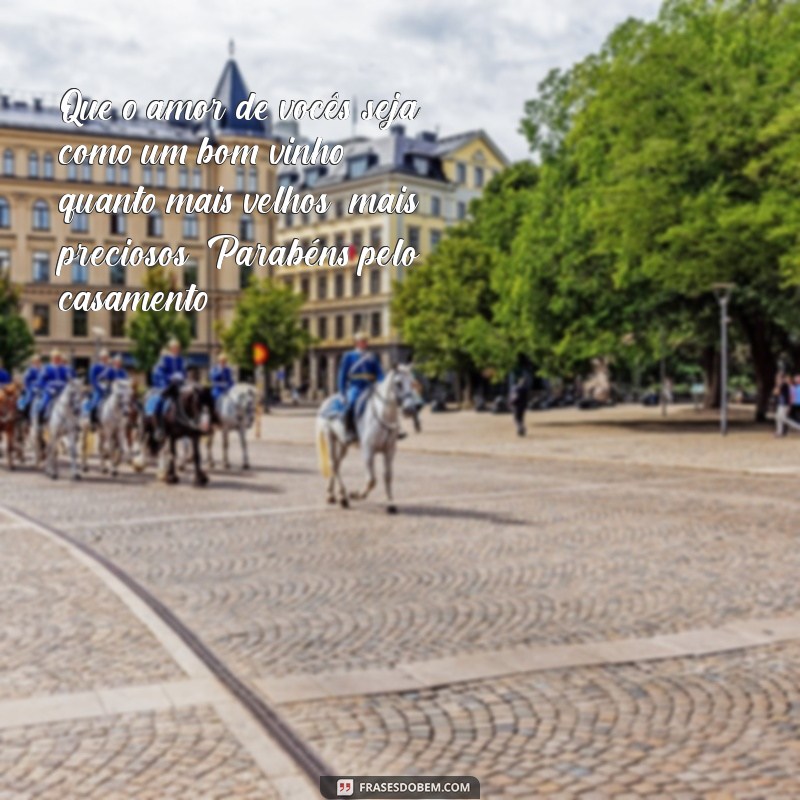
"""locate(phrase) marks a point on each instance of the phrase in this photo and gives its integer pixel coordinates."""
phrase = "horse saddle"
(334, 406)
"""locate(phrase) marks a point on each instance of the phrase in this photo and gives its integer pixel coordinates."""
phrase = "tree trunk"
(711, 376)
(764, 362)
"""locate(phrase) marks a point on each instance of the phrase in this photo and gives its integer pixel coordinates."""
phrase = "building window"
(245, 273)
(357, 167)
(8, 163)
(191, 228)
(79, 273)
(356, 323)
(339, 322)
(41, 320)
(183, 177)
(191, 316)
(461, 209)
(72, 171)
(436, 206)
(118, 323)
(111, 173)
(41, 267)
(375, 237)
(5, 262)
(155, 223)
(375, 324)
(338, 241)
(338, 285)
(414, 237)
(147, 175)
(33, 165)
(288, 220)
(304, 287)
(117, 226)
(161, 176)
(197, 178)
(239, 179)
(190, 274)
(436, 237)
(356, 285)
(375, 281)
(479, 176)
(5, 213)
(339, 209)
(322, 287)
(461, 173)
(41, 216)
(80, 323)
(253, 186)
(117, 273)
(80, 222)
(87, 173)
(358, 241)
(246, 228)
(322, 327)
(124, 174)
(48, 166)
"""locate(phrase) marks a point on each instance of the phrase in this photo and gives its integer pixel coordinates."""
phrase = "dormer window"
(358, 165)
(422, 165)
(313, 175)
(287, 179)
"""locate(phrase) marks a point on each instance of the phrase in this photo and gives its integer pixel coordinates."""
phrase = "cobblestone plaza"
(609, 608)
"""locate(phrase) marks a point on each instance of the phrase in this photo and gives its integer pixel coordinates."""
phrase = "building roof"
(232, 90)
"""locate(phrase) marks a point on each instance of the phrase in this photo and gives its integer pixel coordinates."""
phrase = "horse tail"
(323, 452)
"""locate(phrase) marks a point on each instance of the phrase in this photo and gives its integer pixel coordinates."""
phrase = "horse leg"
(243, 440)
(72, 445)
(172, 475)
(200, 477)
(210, 447)
(337, 456)
(226, 462)
(388, 457)
(369, 465)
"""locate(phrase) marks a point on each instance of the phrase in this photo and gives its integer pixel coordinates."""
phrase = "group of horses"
(125, 432)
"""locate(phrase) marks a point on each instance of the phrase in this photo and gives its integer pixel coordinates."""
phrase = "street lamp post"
(722, 291)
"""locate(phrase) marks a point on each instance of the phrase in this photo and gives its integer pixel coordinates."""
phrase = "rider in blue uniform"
(53, 379)
(30, 383)
(116, 372)
(98, 380)
(221, 377)
(168, 376)
(358, 371)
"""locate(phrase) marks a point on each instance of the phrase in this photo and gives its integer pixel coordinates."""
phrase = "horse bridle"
(383, 400)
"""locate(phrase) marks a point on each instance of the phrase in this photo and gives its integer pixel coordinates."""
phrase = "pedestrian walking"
(519, 404)
(783, 397)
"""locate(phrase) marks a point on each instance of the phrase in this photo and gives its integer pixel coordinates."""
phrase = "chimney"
(37, 103)
(428, 136)
(4, 101)
(398, 130)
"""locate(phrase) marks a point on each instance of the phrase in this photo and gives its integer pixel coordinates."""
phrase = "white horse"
(65, 417)
(236, 410)
(377, 427)
(113, 419)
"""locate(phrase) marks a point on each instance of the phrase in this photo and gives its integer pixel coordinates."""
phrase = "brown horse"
(9, 420)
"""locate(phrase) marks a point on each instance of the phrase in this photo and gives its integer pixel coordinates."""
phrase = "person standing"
(519, 404)
(783, 393)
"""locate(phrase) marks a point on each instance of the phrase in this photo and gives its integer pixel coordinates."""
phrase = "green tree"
(267, 313)
(151, 330)
(16, 340)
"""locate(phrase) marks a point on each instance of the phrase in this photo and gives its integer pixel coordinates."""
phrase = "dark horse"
(187, 414)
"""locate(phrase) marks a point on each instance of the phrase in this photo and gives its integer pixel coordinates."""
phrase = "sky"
(469, 64)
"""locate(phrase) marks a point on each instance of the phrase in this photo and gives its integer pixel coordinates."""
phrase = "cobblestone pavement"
(494, 548)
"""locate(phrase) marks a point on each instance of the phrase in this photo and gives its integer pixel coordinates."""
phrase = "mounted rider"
(116, 372)
(359, 371)
(54, 377)
(221, 377)
(5, 376)
(98, 380)
(168, 377)
(30, 383)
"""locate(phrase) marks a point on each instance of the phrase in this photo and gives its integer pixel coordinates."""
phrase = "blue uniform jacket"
(54, 378)
(358, 371)
(4, 377)
(221, 380)
(97, 377)
(115, 374)
(168, 368)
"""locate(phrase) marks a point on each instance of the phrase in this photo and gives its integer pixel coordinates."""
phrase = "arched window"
(41, 216)
(8, 163)
(80, 222)
(246, 228)
(33, 165)
(48, 166)
(190, 226)
(5, 213)
(155, 223)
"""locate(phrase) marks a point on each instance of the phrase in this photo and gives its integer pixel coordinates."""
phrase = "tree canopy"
(16, 341)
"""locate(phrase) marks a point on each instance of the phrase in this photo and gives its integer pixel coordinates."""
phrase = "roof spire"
(231, 47)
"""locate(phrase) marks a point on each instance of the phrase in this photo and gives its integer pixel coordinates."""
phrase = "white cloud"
(470, 63)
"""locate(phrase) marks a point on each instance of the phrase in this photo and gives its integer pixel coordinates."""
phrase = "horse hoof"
(76, 476)
(171, 479)
(245, 466)
(331, 499)
(344, 502)
(391, 509)
(201, 479)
